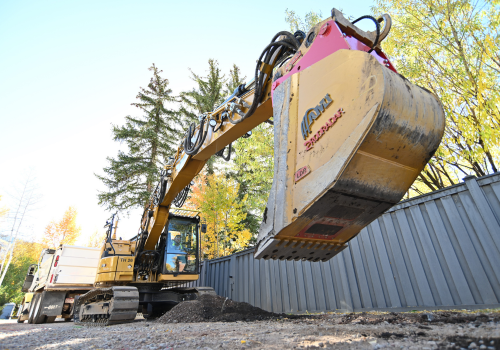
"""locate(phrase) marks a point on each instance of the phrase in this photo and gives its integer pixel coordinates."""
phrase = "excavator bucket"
(351, 136)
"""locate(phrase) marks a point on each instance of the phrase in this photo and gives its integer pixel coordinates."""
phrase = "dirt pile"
(214, 308)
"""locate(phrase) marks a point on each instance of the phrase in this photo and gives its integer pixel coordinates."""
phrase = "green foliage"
(25, 254)
(451, 47)
(235, 80)
(251, 157)
(208, 94)
(150, 139)
(253, 168)
(297, 23)
(216, 196)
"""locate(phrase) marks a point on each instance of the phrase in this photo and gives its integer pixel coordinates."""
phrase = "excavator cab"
(181, 254)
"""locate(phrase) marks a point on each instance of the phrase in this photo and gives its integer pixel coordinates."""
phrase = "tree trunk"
(13, 243)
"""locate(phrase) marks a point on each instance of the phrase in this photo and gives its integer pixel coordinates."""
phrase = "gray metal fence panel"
(437, 250)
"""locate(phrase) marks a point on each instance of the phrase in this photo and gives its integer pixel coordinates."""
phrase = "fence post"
(232, 276)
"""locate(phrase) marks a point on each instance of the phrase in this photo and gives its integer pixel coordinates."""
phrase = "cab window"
(182, 245)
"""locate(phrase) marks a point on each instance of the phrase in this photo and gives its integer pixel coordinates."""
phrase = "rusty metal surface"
(440, 250)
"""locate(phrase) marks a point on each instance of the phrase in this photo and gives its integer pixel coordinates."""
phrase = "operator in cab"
(176, 252)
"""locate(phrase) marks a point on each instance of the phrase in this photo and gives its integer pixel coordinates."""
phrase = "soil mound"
(214, 308)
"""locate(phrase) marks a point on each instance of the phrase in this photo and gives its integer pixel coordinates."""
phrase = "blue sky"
(70, 69)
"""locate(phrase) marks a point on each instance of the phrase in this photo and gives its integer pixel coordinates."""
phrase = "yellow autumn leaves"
(216, 196)
(65, 231)
(232, 200)
(451, 48)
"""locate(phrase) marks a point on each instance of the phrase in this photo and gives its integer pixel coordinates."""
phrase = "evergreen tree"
(151, 139)
(235, 80)
(211, 91)
(206, 96)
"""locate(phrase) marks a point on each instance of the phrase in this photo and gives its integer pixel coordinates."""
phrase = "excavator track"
(107, 306)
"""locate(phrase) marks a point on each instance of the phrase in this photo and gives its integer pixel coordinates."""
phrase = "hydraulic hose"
(221, 153)
(377, 25)
(193, 148)
(271, 54)
(274, 51)
(181, 197)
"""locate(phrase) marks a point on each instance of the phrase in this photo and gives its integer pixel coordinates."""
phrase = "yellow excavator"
(350, 137)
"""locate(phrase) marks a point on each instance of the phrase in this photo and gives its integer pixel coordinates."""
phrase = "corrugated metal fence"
(437, 250)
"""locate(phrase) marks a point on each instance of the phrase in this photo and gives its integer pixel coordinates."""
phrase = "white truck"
(52, 284)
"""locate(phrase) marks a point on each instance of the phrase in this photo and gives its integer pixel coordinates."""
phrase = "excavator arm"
(184, 167)
(351, 135)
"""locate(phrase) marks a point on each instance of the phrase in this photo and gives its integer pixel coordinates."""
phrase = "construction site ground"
(420, 330)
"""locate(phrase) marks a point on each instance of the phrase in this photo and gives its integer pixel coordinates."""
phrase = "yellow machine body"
(351, 136)
(119, 270)
(116, 266)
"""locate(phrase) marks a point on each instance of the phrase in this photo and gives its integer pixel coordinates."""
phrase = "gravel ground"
(331, 331)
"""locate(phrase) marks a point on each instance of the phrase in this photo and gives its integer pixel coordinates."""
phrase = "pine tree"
(151, 139)
(235, 80)
(208, 94)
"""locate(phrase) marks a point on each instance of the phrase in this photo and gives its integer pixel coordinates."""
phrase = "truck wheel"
(33, 305)
(38, 317)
